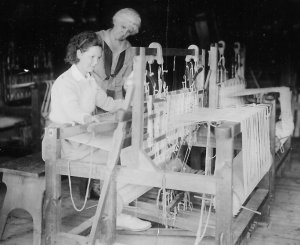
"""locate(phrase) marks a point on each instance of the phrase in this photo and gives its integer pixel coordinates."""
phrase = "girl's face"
(89, 59)
(122, 30)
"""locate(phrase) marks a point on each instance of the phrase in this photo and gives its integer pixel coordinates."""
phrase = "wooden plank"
(53, 186)
(252, 91)
(82, 227)
(69, 131)
(174, 180)
(224, 204)
(30, 165)
(202, 142)
(227, 130)
(138, 109)
(102, 127)
(213, 89)
(165, 51)
(70, 239)
(244, 218)
(112, 161)
(224, 193)
(188, 220)
(9, 122)
(108, 224)
(162, 232)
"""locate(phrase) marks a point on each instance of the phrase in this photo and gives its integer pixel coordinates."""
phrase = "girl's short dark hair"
(82, 42)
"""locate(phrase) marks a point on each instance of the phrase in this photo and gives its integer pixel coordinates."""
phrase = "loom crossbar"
(166, 51)
(188, 182)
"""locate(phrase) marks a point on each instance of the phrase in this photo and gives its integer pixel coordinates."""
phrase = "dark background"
(270, 30)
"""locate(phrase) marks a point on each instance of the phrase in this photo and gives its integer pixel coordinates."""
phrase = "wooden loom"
(232, 91)
(139, 169)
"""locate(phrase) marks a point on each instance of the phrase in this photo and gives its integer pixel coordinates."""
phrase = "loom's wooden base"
(186, 223)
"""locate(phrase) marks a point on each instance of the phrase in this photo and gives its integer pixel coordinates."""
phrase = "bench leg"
(37, 229)
(3, 218)
(24, 193)
(6, 209)
(8, 206)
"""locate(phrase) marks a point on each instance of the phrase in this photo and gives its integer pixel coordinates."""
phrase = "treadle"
(188, 221)
(245, 217)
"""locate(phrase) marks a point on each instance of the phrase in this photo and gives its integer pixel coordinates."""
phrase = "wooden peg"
(221, 47)
(158, 57)
(237, 48)
(194, 57)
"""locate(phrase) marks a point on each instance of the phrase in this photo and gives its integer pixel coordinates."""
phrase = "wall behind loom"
(269, 29)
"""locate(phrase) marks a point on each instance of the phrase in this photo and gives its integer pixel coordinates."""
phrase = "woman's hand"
(89, 119)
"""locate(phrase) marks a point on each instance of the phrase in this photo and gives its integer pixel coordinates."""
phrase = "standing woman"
(117, 62)
(74, 96)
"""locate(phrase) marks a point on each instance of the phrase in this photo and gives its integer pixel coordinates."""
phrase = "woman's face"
(122, 30)
(88, 59)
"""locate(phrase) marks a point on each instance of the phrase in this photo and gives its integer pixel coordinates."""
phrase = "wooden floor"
(282, 229)
(284, 225)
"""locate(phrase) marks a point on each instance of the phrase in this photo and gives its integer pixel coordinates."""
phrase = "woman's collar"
(106, 37)
(77, 74)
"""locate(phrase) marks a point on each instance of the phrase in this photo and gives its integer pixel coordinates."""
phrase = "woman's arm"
(107, 103)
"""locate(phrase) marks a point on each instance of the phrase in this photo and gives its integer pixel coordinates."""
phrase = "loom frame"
(227, 231)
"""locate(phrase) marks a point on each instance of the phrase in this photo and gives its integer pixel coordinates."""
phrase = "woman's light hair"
(130, 17)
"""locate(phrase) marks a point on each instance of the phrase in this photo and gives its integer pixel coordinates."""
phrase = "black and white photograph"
(149, 122)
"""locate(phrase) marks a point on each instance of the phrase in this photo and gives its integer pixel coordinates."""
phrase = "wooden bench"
(25, 181)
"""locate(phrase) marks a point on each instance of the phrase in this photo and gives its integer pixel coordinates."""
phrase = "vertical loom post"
(223, 171)
(138, 102)
(243, 62)
(53, 185)
(213, 64)
(268, 182)
(213, 90)
(108, 225)
(272, 101)
(203, 59)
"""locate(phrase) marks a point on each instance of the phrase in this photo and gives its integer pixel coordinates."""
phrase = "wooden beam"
(53, 185)
(244, 218)
(138, 108)
(65, 238)
(202, 142)
(68, 131)
(82, 227)
(227, 130)
(224, 205)
(223, 170)
(213, 89)
(165, 51)
(174, 180)
(162, 232)
(187, 220)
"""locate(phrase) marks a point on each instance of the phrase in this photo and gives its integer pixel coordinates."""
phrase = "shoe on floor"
(128, 222)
